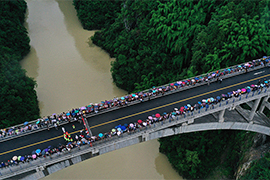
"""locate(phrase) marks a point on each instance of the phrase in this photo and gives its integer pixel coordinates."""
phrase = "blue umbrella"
(69, 143)
(122, 98)
(22, 158)
(185, 107)
(248, 90)
(133, 95)
(37, 122)
(100, 135)
(218, 97)
(10, 130)
(164, 113)
(265, 82)
(199, 103)
(264, 56)
(119, 129)
(68, 114)
(176, 84)
(126, 125)
(154, 91)
(196, 78)
(123, 128)
(25, 123)
(38, 151)
(119, 126)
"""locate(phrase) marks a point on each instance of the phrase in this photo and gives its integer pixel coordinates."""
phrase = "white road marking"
(258, 73)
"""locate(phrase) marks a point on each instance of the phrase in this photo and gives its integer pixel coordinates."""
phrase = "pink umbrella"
(34, 156)
(179, 82)
(157, 115)
(131, 125)
(171, 84)
(139, 121)
(243, 90)
(83, 108)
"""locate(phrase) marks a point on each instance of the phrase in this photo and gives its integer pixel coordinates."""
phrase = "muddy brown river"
(72, 72)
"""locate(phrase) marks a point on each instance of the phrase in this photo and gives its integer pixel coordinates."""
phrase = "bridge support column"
(145, 137)
(264, 101)
(221, 116)
(255, 106)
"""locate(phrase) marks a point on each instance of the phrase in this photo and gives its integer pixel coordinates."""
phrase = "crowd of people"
(55, 120)
(78, 140)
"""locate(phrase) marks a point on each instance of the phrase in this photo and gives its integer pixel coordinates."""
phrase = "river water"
(71, 72)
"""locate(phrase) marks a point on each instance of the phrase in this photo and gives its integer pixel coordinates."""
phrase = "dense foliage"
(18, 98)
(259, 169)
(156, 42)
(95, 14)
(195, 155)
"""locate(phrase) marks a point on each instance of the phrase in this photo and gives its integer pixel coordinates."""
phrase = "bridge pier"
(221, 115)
(252, 112)
(264, 103)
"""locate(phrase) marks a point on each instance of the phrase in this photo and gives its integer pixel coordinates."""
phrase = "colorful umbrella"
(150, 117)
(119, 129)
(82, 108)
(122, 98)
(100, 135)
(19, 158)
(157, 115)
(38, 151)
(14, 158)
(113, 130)
(68, 114)
(25, 123)
(37, 122)
(131, 125)
(243, 90)
(22, 158)
(123, 128)
(179, 82)
(34, 156)
(172, 84)
(173, 113)
(139, 121)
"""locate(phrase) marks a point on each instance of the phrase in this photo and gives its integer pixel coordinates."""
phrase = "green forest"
(155, 42)
(18, 98)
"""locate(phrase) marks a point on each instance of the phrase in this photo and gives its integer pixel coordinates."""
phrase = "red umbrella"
(157, 115)
(139, 121)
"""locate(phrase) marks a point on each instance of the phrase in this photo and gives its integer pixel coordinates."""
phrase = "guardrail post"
(233, 100)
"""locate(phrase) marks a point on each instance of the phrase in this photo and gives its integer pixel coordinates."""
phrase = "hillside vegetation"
(18, 98)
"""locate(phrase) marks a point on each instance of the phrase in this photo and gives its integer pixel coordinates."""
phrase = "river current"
(72, 72)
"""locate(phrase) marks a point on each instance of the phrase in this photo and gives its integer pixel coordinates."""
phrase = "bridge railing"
(32, 126)
(185, 119)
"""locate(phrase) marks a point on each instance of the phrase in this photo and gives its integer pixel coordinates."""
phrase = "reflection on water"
(68, 72)
(140, 161)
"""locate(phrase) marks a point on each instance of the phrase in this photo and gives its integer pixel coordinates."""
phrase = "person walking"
(220, 80)
(63, 129)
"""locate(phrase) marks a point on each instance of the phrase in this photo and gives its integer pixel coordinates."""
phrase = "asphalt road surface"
(106, 121)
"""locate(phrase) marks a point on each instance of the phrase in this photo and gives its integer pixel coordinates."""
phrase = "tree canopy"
(18, 97)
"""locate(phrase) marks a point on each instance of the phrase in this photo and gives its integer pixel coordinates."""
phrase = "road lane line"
(142, 112)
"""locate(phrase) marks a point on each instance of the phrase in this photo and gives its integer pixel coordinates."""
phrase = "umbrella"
(113, 130)
(154, 91)
(139, 121)
(196, 78)
(19, 158)
(188, 105)
(22, 158)
(118, 133)
(150, 117)
(123, 128)
(213, 74)
(37, 122)
(131, 125)
(34, 156)
(69, 143)
(171, 84)
(243, 90)
(10, 130)
(157, 115)
(175, 109)
(182, 108)
(203, 100)
(46, 150)
(119, 129)
(133, 95)
(126, 125)
(100, 135)
(119, 126)
(25, 123)
(82, 108)
(248, 90)
(164, 113)
(14, 158)
(38, 151)
(264, 57)
(176, 84)
(199, 103)
(173, 113)
(122, 98)
(68, 114)
(76, 111)
(179, 82)
(252, 85)
(218, 97)
(265, 82)
(238, 90)
(183, 83)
